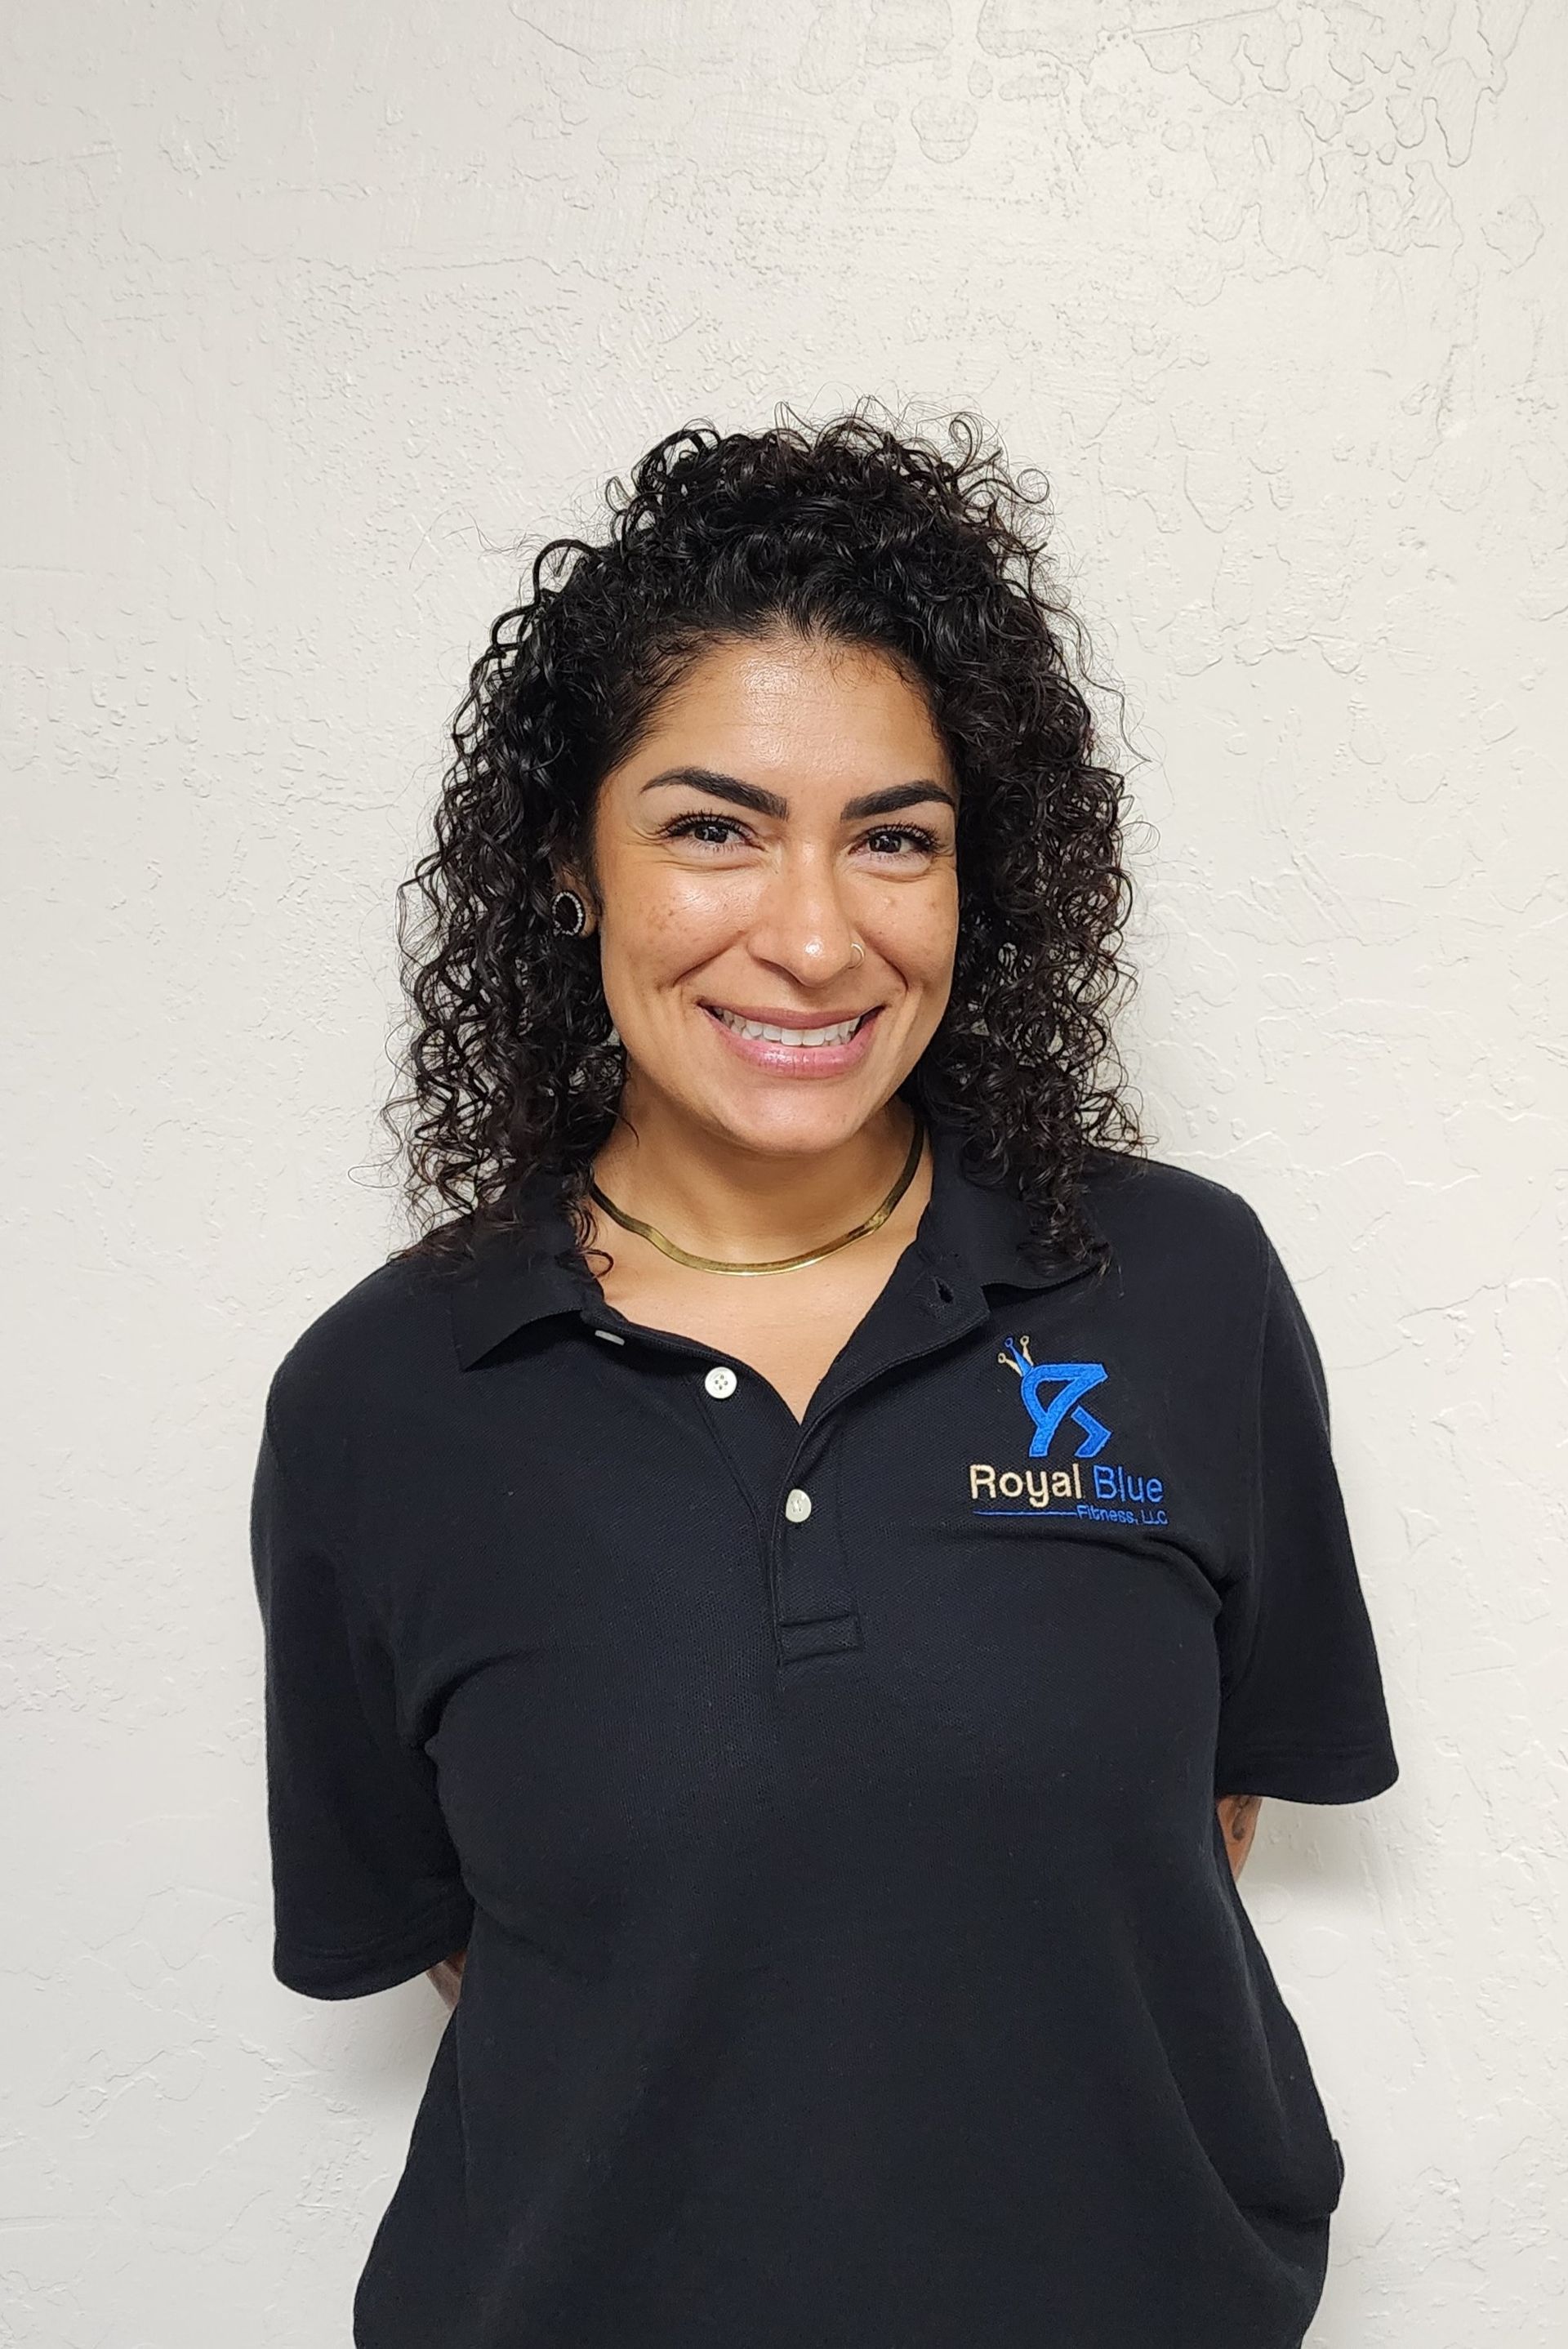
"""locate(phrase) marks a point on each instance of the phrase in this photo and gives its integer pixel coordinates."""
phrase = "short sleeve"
(1302, 1709)
(366, 1887)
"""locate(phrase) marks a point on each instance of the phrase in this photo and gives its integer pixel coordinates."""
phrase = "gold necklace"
(784, 1264)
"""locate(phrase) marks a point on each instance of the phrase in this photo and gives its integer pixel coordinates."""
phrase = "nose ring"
(859, 954)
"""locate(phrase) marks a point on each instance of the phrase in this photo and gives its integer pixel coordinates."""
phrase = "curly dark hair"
(854, 532)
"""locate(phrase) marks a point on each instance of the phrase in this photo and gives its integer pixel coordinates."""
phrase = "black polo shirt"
(827, 1808)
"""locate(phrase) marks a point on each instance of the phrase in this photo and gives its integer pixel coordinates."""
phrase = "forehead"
(783, 706)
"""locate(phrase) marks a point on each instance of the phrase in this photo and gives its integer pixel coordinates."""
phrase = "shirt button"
(720, 1379)
(798, 1505)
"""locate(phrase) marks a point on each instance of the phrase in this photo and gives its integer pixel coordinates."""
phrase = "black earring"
(574, 920)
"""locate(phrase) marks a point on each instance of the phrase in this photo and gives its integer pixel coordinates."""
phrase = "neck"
(746, 1203)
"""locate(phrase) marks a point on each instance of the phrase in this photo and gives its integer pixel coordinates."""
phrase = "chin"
(790, 1123)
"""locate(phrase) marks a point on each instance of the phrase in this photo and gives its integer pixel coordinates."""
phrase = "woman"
(794, 1588)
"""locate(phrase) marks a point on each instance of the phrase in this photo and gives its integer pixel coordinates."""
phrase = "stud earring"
(568, 912)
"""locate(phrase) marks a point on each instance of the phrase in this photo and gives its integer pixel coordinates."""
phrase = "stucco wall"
(314, 312)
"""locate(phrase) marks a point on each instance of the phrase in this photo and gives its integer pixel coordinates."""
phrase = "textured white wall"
(315, 310)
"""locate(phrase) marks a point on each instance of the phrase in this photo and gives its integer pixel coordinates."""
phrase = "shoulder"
(390, 1333)
(1187, 1233)
(1132, 1192)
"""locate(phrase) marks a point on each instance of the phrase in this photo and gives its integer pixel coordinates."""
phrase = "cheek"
(917, 932)
(662, 923)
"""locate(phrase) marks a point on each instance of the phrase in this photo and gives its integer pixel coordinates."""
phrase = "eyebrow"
(886, 801)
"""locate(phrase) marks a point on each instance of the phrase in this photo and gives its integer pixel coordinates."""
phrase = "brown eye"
(687, 827)
(921, 842)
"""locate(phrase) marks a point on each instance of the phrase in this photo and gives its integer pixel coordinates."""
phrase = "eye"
(921, 842)
(687, 827)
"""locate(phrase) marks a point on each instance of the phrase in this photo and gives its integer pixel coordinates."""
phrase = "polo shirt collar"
(975, 1231)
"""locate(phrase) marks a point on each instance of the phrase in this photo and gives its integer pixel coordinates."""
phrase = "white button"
(798, 1505)
(720, 1379)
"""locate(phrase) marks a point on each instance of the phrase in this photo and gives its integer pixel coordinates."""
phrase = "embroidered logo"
(1083, 1484)
(1071, 1381)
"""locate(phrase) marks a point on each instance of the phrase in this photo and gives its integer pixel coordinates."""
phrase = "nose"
(802, 922)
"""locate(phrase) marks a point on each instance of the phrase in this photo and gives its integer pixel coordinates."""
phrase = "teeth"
(839, 1034)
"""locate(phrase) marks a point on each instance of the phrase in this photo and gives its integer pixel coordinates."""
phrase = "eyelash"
(683, 827)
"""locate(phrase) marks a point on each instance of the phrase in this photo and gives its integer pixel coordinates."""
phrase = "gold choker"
(784, 1264)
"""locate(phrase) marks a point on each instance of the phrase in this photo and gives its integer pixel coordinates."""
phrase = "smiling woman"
(787, 642)
(785, 1597)
(812, 892)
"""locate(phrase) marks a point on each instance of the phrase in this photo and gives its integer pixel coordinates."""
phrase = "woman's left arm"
(1238, 1820)
(448, 1977)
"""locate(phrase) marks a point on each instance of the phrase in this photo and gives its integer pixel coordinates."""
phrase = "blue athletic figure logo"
(1072, 1382)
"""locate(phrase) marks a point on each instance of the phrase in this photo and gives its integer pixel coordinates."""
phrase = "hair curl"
(855, 532)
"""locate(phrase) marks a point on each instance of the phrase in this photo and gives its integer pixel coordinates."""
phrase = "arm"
(447, 1978)
(1238, 1823)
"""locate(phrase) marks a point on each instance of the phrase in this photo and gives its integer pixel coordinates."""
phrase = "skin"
(447, 1978)
(1238, 1823)
(749, 887)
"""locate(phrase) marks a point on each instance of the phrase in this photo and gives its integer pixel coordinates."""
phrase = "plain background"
(316, 315)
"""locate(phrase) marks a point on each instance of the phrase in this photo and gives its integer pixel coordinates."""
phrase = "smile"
(763, 1031)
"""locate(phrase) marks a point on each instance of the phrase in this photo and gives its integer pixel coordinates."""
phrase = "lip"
(767, 1054)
